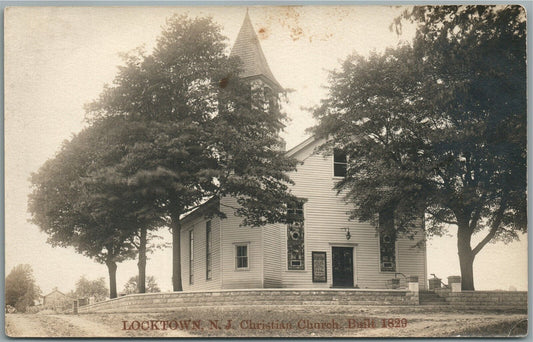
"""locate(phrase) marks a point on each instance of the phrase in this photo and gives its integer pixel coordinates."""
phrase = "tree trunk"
(112, 268)
(466, 256)
(466, 261)
(141, 264)
(176, 253)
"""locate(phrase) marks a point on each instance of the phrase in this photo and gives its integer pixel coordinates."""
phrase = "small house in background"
(326, 250)
(57, 300)
(38, 301)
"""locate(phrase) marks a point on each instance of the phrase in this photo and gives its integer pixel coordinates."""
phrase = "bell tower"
(254, 66)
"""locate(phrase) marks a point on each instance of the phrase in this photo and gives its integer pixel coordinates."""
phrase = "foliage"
(207, 132)
(131, 286)
(438, 126)
(204, 137)
(79, 198)
(96, 288)
(21, 289)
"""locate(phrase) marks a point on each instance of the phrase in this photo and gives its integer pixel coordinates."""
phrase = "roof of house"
(301, 146)
(53, 291)
(201, 209)
(215, 200)
(248, 49)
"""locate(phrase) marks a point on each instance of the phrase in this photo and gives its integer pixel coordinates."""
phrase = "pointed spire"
(248, 49)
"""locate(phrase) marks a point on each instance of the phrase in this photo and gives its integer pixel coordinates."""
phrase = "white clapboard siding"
(232, 233)
(272, 255)
(413, 258)
(198, 224)
(325, 215)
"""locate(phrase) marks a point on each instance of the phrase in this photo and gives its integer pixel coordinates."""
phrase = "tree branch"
(494, 227)
(134, 244)
(477, 212)
(439, 218)
(229, 206)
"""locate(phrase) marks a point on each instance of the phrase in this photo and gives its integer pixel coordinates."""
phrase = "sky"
(58, 58)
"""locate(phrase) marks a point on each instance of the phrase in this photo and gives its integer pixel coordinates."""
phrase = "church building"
(326, 250)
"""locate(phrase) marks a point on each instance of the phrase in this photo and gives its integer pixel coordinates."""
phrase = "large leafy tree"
(112, 180)
(208, 131)
(21, 288)
(79, 199)
(86, 288)
(438, 127)
(132, 285)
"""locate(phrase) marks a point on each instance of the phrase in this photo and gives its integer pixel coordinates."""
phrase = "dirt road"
(276, 321)
(56, 325)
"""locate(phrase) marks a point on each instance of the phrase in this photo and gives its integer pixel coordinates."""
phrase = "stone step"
(433, 303)
(431, 298)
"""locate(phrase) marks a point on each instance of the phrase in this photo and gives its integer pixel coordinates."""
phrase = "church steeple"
(248, 49)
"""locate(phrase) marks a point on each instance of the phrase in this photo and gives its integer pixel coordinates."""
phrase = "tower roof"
(248, 49)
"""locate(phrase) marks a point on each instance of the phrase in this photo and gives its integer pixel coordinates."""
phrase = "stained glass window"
(295, 238)
(387, 241)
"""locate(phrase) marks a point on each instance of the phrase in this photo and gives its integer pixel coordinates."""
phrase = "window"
(191, 257)
(387, 242)
(270, 100)
(340, 163)
(241, 256)
(208, 247)
(295, 238)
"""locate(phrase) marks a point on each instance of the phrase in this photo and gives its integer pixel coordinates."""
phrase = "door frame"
(354, 261)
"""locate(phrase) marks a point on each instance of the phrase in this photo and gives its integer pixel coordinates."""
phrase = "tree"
(141, 242)
(21, 289)
(80, 200)
(438, 126)
(110, 183)
(132, 285)
(208, 133)
(86, 288)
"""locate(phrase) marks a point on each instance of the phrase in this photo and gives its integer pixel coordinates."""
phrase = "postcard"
(266, 171)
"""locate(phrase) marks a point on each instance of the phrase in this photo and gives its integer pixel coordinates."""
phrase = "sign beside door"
(319, 267)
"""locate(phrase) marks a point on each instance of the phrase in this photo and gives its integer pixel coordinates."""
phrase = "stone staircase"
(431, 298)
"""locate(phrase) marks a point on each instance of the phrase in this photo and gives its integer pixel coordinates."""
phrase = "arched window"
(271, 101)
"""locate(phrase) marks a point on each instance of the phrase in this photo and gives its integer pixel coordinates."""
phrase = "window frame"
(236, 256)
(191, 257)
(395, 244)
(344, 163)
(288, 268)
(208, 251)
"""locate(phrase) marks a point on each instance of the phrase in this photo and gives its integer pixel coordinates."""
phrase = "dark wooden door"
(342, 266)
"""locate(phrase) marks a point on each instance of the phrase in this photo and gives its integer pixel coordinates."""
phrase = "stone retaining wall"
(157, 302)
(516, 299)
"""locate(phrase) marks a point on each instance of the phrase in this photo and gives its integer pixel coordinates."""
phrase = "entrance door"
(342, 266)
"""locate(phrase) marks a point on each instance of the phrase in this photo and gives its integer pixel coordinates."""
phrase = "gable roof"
(201, 209)
(301, 146)
(54, 291)
(248, 49)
